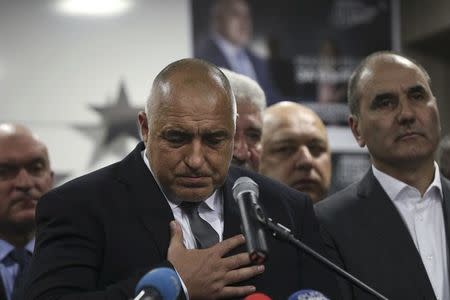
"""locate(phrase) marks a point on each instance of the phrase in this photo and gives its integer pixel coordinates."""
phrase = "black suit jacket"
(2, 290)
(365, 234)
(98, 234)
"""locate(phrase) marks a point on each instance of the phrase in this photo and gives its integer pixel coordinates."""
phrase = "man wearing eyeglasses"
(25, 175)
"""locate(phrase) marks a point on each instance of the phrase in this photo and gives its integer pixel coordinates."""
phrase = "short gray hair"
(245, 89)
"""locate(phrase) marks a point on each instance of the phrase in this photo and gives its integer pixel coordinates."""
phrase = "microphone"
(307, 295)
(158, 284)
(257, 296)
(246, 192)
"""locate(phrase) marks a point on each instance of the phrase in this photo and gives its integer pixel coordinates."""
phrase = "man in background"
(443, 156)
(295, 149)
(232, 26)
(391, 229)
(251, 102)
(25, 175)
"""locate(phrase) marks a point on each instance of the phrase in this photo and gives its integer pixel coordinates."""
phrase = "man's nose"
(23, 180)
(195, 156)
(240, 150)
(303, 158)
(406, 113)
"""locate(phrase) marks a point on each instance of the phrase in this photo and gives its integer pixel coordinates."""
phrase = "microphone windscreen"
(307, 295)
(163, 280)
(245, 184)
(257, 296)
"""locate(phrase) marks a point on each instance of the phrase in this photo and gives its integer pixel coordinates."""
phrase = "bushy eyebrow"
(417, 89)
(381, 96)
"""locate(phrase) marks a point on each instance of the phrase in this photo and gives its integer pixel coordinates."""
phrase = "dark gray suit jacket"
(365, 234)
(211, 52)
(98, 234)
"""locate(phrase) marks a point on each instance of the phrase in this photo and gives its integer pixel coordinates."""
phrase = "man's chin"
(21, 225)
(193, 194)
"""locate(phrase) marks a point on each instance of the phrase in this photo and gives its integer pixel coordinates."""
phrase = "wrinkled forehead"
(390, 72)
(21, 147)
(195, 102)
(196, 76)
(300, 123)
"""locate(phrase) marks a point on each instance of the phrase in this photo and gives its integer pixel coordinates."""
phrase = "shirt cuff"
(186, 294)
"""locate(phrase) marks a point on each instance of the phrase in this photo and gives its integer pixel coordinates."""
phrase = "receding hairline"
(11, 130)
(278, 112)
(191, 71)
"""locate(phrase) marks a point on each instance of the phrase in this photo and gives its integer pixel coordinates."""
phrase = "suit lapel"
(2, 290)
(151, 206)
(446, 209)
(389, 229)
(149, 203)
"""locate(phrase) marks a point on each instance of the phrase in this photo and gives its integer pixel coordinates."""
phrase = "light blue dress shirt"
(9, 268)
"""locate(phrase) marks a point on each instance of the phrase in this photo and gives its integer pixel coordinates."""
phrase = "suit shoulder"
(339, 204)
(270, 189)
(90, 180)
(83, 190)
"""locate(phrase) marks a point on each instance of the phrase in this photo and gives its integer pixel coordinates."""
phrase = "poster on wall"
(301, 51)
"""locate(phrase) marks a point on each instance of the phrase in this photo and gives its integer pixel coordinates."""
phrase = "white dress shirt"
(424, 219)
(210, 210)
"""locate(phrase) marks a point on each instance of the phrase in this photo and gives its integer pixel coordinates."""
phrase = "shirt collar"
(6, 248)
(393, 186)
(211, 202)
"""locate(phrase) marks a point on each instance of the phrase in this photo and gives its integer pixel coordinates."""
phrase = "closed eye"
(215, 138)
(284, 150)
(176, 137)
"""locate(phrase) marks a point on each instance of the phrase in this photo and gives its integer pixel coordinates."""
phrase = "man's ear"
(354, 124)
(52, 178)
(143, 126)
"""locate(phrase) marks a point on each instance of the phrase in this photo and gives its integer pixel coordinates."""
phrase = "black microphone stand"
(283, 233)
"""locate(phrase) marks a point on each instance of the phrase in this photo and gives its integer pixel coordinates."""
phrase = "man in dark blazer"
(99, 234)
(227, 45)
(391, 229)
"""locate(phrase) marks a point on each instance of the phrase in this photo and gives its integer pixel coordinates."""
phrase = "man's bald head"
(187, 73)
(15, 129)
(295, 149)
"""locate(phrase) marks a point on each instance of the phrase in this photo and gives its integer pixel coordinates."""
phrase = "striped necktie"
(204, 233)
